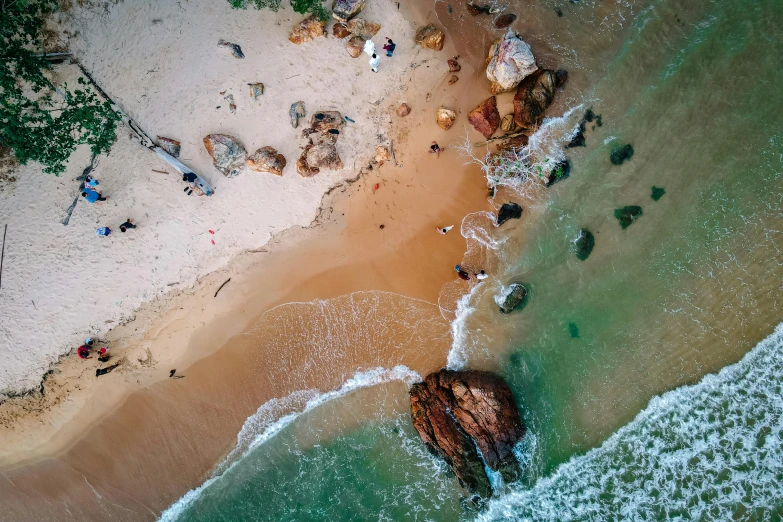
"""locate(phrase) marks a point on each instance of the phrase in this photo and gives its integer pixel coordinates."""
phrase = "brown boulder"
(340, 30)
(430, 37)
(267, 159)
(307, 30)
(454, 79)
(355, 46)
(403, 110)
(459, 414)
(228, 154)
(507, 123)
(454, 66)
(344, 10)
(324, 121)
(504, 20)
(316, 157)
(485, 118)
(534, 96)
(445, 118)
(363, 28)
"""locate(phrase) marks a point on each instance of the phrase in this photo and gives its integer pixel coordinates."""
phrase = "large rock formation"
(534, 96)
(485, 118)
(513, 297)
(583, 244)
(445, 118)
(459, 414)
(267, 159)
(307, 30)
(430, 37)
(227, 153)
(509, 61)
(509, 211)
(344, 10)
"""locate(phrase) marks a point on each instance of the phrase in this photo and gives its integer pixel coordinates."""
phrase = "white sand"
(63, 283)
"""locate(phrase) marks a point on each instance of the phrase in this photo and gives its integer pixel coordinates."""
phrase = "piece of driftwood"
(2, 256)
(503, 137)
(221, 286)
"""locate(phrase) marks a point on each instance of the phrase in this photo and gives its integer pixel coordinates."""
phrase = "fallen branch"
(2, 256)
(503, 137)
(221, 286)
(392, 152)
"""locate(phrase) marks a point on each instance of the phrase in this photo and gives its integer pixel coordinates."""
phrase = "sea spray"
(710, 451)
(263, 425)
(458, 354)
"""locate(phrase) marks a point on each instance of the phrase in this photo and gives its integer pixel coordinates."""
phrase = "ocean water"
(609, 356)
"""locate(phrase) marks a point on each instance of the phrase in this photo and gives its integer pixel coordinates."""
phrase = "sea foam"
(710, 451)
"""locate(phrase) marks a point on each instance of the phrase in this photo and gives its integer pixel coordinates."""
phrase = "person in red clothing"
(84, 352)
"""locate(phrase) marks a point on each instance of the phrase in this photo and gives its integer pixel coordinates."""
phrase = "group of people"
(369, 48)
(92, 195)
(463, 274)
(85, 350)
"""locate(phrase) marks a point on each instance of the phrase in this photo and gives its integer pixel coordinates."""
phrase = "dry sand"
(377, 286)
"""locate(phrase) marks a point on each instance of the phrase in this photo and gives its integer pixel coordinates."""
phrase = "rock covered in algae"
(583, 244)
(509, 211)
(621, 154)
(657, 193)
(513, 297)
(469, 418)
(627, 215)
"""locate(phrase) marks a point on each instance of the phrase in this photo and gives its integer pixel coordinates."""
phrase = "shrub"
(300, 6)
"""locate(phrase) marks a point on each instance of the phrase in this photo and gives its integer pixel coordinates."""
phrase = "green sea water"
(687, 289)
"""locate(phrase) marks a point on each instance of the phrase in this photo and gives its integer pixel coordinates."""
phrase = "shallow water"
(687, 289)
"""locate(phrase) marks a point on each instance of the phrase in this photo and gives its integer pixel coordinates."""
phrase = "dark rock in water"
(559, 172)
(589, 116)
(459, 414)
(573, 330)
(485, 118)
(561, 75)
(583, 244)
(657, 193)
(559, 12)
(627, 215)
(534, 96)
(599, 120)
(578, 140)
(509, 211)
(620, 154)
(515, 297)
(504, 20)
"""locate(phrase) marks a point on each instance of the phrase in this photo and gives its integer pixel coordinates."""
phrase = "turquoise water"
(686, 290)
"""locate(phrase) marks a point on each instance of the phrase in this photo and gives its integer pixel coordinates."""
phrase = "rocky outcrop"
(445, 118)
(430, 37)
(316, 157)
(509, 211)
(355, 46)
(504, 20)
(363, 29)
(307, 30)
(227, 153)
(296, 111)
(459, 414)
(485, 118)
(403, 110)
(534, 96)
(583, 244)
(267, 159)
(514, 296)
(509, 61)
(344, 10)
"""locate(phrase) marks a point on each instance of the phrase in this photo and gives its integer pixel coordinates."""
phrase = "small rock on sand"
(296, 111)
(445, 118)
(504, 20)
(317, 157)
(454, 79)
(267, 159)
(403, 110)
(235, 49)
(454, 66)
(228, 154)
(430, 37)
(256, 90)
(382, 154)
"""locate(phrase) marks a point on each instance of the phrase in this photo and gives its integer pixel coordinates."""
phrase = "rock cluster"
(307, 30)
(320, 151)
(469, 418)
(430, 37)
(485, 118)
(509, 61)
(509, 211)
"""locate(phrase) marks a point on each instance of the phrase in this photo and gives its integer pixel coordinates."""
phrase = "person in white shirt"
(374, 61)
(444, 230)
(481, 275)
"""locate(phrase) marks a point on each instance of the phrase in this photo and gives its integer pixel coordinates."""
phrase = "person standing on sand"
(369, 47)
(462, 274)
(389, 47)
(83, 352)
(444, 230)
(92, 196)
(374, 61)
(128, 224)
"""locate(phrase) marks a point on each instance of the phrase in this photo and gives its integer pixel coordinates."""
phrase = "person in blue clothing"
(103, 231)
(90, 182)
(92, 196)
(389, 47)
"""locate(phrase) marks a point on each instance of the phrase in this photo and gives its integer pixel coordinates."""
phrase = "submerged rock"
(344, 10)
(459, 414)
(227, 153)
(430, 37)
(509, 211)
(307, 30)
(515, 296)
(534, 96)
(509, 61)
(578, 139)
(657, 193)
(621, 154)
(296, 111)
(559, 172)
(627, 215)
(445, 118)
(504, 20)
(485, 118)
(583, 244)
(267, 159)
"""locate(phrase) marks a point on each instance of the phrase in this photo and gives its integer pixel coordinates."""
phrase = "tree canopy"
(38, 120)
(300, 6)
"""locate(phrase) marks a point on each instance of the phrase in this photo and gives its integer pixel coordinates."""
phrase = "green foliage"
(39, 121)
(657, 193)
(300, 6)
